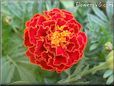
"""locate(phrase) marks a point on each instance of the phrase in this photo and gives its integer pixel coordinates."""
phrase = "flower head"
(54, 40)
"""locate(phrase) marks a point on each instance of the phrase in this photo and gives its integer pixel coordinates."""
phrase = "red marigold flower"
(54, 40)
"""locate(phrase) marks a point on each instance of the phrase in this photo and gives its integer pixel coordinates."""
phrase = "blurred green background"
(94, 68)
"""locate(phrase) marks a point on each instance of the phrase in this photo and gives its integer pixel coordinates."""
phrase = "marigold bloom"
(54, 40)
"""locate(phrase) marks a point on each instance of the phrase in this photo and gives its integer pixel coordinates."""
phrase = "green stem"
(92, 70)
(96, 68)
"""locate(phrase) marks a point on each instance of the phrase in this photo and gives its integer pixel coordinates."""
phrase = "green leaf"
(48, 81)
(4, 10)
(55, 4)
(67, 3)
(10, 75)
(51, 4)
(67, 71)
(92, 26)
(110, 80)
(13, 9)
(93, 46)
(40, 7)
(79, 67)
(25, 74)
(24, 70)
(107, 73)
(109, 8)
(96, 20)
(85, 70)
(48, 4)
(99, 13)
(7, 71)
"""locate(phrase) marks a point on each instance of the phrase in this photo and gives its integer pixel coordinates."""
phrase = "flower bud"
(8, 19)
(108, 46)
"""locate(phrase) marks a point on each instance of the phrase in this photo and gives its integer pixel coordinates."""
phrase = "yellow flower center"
(58, 38)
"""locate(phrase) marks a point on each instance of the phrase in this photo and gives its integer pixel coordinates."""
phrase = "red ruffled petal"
(27, 24)
(83, 36)
(32, 34)
(41, 32)
(60, 51)
(45, 66)
(40, 21)
(27, 39)
(39, 48)
(31, 56)
(33, 22)
(60, 60)
(44, 56)
(70, 47)
(75, 22)
(60, 68)
(60, 22)
(75, 41)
